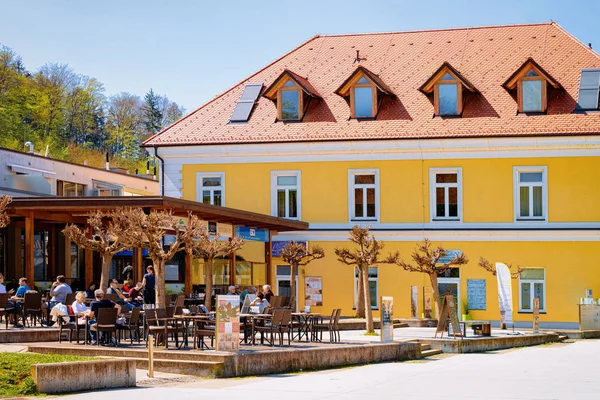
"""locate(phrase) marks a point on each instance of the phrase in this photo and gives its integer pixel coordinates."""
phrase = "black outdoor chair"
(32, 307)
(132, 325)
(6, 308)
(106, 322)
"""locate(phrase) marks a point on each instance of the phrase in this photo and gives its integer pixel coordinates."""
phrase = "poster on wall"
(427, 301)
(387, 317)
(313, 293)
(414, 299)
(228, 323)
(476, 295)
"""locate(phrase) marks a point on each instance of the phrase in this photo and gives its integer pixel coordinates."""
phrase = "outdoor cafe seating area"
(177, 326)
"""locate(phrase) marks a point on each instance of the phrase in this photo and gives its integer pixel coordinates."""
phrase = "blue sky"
(193, 50)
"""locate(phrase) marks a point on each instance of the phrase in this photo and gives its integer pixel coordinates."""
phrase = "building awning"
(75, 210)
(24, 169)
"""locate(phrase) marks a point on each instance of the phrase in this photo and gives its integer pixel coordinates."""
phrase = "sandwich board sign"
(448, 313)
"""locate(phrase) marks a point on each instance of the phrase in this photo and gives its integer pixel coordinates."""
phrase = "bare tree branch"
(5, 200)
(488, 266)
(296, 254)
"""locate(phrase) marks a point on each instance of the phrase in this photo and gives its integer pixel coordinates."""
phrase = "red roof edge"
(146, 142)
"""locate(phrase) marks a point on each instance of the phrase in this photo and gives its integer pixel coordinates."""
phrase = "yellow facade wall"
(404, 188)
(567, 265)
(488, 196)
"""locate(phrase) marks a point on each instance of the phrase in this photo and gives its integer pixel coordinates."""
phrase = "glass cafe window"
(69, 189)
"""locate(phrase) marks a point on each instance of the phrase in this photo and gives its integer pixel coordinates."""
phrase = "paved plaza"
(555, 371)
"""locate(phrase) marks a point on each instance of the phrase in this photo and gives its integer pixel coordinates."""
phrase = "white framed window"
(532, 285)
(445, 194)
(105, 189)
(363, 194)
(531, 193)
(373, 286)
(285, 194)
(210, 188)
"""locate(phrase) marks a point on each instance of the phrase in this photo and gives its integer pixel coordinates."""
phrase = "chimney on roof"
(29, 147)
(148, 167)
(154, 177)
(590, 45)
(107, 164)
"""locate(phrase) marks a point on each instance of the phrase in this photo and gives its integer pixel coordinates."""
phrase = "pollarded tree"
(100, 235)
(207, 247)
(364, 256)
(427, 261)
(148, 230)
(488, 266)
(5, 200)
(296, 254)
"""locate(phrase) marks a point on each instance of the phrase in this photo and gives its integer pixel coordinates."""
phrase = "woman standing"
(149, 283)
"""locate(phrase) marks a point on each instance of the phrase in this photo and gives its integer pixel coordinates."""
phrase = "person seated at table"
(79, 308)
(23, 288)
(122, 298)
(136, 293)
(261, 302)
(127, 286)
(11, 304)
(96, 305)
(58, 291)
(12, 285)
(268, 292)
(89, 292)
(113, 287)
(246, 292)
(231, 291)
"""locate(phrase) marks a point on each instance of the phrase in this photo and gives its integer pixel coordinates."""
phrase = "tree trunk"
(367, 300)
(106, 260)
(293, 269)
(208, 281)
(360, 297)
(436, 294)
(159, 272)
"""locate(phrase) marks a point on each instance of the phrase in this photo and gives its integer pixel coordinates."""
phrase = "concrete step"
(425, 346)
(429, 353)
(562, 338)
(400, 325)
(159, 354)
(198, 368)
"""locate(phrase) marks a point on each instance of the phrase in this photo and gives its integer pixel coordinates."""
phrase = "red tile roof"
(486, 56)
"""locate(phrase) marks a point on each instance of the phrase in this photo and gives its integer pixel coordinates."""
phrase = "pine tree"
(152, 114)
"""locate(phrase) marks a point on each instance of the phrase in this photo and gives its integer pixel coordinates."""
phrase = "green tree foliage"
(70, 114)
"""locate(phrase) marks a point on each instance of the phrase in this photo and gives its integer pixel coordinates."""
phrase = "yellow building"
(484, 140)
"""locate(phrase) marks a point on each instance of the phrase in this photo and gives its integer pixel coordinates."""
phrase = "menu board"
(387, 316)
(313, 293)
(536, 315)
(228, 323)
(427, 301)
(448, 313)
(414, 300)
(476, 294)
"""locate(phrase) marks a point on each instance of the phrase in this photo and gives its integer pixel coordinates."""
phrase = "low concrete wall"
(491, 343)
(28, 335)
(84, 375)
(264, 362)
(589, 334)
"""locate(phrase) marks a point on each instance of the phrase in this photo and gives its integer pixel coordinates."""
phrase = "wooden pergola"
(59, 211)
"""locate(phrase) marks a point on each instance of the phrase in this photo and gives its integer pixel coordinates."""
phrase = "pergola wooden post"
(269, 256)
(89, 265)
(187, 279)
(138, 264)
(29, 249)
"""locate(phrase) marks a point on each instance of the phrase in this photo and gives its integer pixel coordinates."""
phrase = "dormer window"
(292, 94)
(363, 98)
(530, 83)
(363, 91)
(289, 102)
(446, 86)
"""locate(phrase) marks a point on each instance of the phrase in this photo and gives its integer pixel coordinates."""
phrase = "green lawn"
(15, 371)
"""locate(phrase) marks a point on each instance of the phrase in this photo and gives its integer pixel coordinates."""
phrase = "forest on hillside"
(70, 115)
